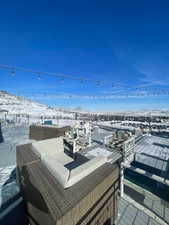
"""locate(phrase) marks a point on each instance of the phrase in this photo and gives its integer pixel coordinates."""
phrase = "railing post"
(121, 180)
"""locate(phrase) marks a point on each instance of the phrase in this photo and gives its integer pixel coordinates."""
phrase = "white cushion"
(84, 170)
(48, 147)
(57, 169)
(63, 158)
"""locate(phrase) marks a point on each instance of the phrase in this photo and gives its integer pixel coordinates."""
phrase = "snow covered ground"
(10, 105)
(9, 192)
(12, 136)
(10, 187)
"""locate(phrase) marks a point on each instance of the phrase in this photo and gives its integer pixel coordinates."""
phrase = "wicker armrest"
(48, 203)
(24, 156)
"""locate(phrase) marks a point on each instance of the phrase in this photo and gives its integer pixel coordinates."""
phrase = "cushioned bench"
(60, 191)
(52, 154)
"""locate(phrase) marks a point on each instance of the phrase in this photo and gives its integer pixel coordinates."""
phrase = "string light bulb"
(98, 83)
(13, 73)
(82, 82)
(39, 76)
(62, 80)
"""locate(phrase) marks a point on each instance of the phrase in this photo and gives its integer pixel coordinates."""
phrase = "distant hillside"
(20, 105)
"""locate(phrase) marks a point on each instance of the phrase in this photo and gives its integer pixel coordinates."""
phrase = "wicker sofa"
(59, 191)
(42, 132)
(67, 171)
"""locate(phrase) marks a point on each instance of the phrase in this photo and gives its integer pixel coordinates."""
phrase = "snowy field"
(12, 135)
(19, 134)
(9, 192)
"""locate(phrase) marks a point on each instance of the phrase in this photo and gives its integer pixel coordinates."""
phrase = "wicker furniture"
(90, 200)
(64, 168)
(42, 132)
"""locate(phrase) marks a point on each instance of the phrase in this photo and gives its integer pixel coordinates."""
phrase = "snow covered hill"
(19, 105)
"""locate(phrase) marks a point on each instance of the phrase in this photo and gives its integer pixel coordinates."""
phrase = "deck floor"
(12, 207)
(130, 215)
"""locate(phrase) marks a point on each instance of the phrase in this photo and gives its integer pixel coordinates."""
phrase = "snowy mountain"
(20, 105)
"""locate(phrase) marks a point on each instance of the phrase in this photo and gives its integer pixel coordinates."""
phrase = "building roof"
(153, 151)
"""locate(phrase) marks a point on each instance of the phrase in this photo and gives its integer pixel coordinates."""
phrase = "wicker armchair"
(92, 199)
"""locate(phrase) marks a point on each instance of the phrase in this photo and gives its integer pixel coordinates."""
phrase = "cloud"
(151, 79)
(151, 69)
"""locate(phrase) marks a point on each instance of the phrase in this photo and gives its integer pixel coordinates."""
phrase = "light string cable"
(126, 88)
(14, 69)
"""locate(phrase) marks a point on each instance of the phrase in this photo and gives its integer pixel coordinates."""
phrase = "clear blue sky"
(124, 42)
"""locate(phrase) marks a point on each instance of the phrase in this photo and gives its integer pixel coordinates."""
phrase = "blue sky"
(125, 43)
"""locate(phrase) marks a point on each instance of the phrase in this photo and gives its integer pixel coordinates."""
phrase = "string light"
(13, 73)
(63, 76)
(62, 80)
(95, 97)
(98, 83)
(39, 76)
(154, 92)
(82, 82)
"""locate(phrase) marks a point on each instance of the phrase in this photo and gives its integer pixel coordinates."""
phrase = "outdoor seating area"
(59, 189)
(52, 154)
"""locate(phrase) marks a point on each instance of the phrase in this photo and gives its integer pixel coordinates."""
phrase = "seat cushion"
(63, 158)
(84, 170)
(48, 147)
(57, 169)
